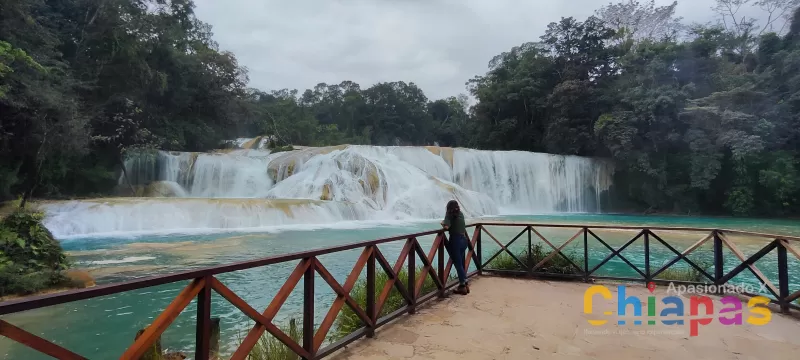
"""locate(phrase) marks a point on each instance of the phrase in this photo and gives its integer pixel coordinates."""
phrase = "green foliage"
(270, 348)
(560, 265)
(347, 321)
(117, 75)
(688, 273)
(282, 149)
(556, 265)
(11, 57)
(25, 240)
(30, 258)
(694, 125)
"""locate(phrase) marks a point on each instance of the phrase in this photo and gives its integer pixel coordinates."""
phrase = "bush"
(31, 259)
(17, 280)
(270, 348)
(347, 321)
(282, 149)
(556, 265)
(559, 265)
(688, 273)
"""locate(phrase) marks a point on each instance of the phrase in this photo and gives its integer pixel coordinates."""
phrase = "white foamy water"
(245, 189)
(162, 215)
(534, 182)
(230, 175)
(125, 260)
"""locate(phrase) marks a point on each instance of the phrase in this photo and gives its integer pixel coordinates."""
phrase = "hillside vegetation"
(699, 118)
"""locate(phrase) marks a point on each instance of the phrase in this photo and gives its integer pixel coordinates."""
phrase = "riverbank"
(32, 261)
(74, 279)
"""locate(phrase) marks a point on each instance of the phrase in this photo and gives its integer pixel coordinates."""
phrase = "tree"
(637, 21)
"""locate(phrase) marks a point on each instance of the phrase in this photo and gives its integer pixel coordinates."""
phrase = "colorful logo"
(672, 309)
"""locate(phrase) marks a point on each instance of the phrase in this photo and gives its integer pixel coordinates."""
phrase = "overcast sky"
(437, 44)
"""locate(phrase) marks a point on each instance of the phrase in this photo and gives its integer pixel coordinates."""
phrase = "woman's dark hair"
(453, 208)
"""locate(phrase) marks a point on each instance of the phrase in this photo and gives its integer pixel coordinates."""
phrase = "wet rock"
(326, 193)
(253, 143)
(174, 356)
(79, 278)
(126, 190)
(164, 189)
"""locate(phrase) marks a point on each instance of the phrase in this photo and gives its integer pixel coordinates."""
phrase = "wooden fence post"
(412, 279)
(308, 307)
(371, 293)
(203, 331)
(783, 278)
(441, 266)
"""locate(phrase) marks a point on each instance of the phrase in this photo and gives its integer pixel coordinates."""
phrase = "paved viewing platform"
(506, 318)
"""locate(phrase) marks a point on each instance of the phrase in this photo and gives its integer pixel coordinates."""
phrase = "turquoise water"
(102, 328)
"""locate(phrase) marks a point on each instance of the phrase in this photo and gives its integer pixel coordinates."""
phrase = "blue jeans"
(456, 246)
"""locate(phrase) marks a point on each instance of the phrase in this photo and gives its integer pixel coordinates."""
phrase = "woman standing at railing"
(454, 223)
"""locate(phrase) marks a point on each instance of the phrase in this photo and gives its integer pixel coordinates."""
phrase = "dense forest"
(699, 118)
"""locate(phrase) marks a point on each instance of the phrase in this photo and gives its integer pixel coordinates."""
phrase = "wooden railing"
(204, 281)
(720, 239)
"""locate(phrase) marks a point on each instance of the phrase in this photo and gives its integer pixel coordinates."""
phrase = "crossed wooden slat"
(470, 254)
(393, 278)
(683, 255)
(264, 320)
(343, 296)
(171, 312)
(751, 263)
(616, 252)
(154, 331)
(427, 268)
(557, 250)
(36, 343)
(796, 295)
(504, 247)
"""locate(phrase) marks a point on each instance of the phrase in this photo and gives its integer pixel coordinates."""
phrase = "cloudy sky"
(438, 44)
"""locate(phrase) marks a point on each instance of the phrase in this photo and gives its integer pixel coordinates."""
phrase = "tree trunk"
(26, 196)
(33, 183)
(37, 168)
(125, 175)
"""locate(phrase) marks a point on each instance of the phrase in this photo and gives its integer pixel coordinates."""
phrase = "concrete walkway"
(528, 319)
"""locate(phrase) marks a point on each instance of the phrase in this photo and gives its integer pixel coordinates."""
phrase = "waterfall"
(525, 182)
(235, 174)
(253, 188)
(230, 175)
(132, 215)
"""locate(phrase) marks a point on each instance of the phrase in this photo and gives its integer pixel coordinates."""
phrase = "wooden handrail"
(631, 227)
(204, 281)
(34, 302)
